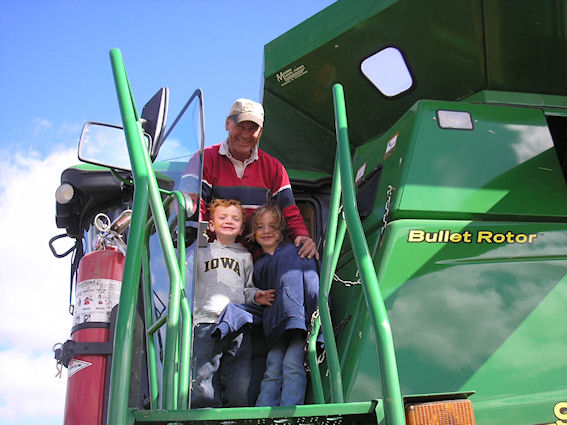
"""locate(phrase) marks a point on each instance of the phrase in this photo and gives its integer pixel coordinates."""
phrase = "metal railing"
(175, 378)
(182, 348)
(146, 193)
(343, 183)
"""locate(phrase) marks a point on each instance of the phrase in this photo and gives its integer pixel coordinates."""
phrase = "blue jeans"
(285, 379)
(220, 370)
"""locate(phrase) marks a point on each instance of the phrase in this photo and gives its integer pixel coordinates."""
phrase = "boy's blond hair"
(225, 203)
(274, 209)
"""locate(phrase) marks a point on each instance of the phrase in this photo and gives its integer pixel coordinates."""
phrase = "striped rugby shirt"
(260, 176)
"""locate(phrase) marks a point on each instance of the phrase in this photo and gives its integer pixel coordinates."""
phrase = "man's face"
(227, 223)
(242, 137)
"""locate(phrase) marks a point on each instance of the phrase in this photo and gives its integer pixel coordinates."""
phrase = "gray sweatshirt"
(224, 275)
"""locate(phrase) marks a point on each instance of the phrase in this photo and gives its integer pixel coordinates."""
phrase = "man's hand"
(309, 249)
(265, 297)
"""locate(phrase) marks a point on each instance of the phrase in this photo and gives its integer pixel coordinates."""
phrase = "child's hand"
(265, 297)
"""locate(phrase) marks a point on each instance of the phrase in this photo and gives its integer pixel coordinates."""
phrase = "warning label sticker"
(77, 365)
(391, 145)
(94, 300)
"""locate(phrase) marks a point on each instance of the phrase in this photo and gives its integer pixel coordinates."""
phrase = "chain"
(321, 357)
(315, 316)
(384, 223)
(347, 282)
(386, 209)
(336, 278)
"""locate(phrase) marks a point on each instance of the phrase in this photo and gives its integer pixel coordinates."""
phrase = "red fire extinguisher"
(86, 354)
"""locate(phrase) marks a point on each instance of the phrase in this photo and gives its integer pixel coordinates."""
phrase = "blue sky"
(54, 76)
(55, 70)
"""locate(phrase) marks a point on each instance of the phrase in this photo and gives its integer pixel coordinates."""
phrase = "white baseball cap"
(247, 110)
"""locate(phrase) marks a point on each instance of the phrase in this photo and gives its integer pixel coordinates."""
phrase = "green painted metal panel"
(506, 166)
(551, 103)
(469, 316)
(453, 50)
(527, 376)
(526, 45)
(307, 176)
(473, 298)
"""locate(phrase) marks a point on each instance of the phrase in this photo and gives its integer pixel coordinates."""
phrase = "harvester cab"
(434, 134)
(457, 125)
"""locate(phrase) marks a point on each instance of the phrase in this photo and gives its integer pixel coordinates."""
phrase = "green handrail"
(393, 403)
(187, 320)
(121, 359)
(150, 317)
(145, 189)
(327, 272)
(175, 381)
(154, 325)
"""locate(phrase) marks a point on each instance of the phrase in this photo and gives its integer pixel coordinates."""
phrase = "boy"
(221, 368)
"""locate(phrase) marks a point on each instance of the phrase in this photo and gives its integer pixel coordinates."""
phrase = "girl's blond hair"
(270, 207)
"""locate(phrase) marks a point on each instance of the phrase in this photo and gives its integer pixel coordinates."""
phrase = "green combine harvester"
(434, 134)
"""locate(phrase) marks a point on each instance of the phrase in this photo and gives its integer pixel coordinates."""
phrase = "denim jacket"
(296, 281)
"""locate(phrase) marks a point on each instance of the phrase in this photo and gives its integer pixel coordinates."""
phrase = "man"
(238, 169)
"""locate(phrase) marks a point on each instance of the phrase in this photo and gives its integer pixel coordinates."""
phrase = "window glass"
(388, 71)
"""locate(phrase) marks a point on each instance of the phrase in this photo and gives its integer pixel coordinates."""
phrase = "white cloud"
(34, 289)
(29, 387)
(40, 125)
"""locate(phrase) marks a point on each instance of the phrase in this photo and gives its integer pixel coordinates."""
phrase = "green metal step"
(359, 413)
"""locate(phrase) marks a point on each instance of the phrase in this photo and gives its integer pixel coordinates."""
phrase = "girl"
(285, 323)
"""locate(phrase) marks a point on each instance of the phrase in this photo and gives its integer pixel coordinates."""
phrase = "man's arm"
(189, 183)
(294, 220)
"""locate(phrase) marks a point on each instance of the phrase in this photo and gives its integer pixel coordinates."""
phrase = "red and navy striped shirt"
(261, 179)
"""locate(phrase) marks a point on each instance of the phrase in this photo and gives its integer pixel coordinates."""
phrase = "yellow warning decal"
(560, 412)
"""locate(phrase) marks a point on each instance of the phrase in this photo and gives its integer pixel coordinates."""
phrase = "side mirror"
(154, 116)
(104, 144)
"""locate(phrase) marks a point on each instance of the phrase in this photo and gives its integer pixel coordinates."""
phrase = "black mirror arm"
(121, 179)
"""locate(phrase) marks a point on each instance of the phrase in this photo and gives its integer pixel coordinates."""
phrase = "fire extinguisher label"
(94, 299)
(77, 365)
